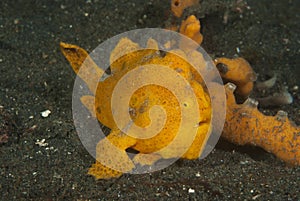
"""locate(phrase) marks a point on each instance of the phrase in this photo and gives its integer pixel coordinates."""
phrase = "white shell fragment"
(191, 190)
(45, 113)
(41, 143)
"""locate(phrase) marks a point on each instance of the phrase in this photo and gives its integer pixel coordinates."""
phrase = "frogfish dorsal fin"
(83, 65)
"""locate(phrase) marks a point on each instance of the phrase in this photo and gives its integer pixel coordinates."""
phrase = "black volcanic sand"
(35, 77)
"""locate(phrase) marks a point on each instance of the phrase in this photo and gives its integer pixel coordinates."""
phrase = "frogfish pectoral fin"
(112, 159)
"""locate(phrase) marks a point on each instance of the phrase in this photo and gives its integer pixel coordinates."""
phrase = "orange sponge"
(275, 134)
(239, 72)
(177, 6)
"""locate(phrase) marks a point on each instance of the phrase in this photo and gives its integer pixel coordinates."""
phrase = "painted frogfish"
(244, 123)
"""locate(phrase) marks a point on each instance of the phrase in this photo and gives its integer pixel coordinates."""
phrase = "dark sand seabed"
(35, 77)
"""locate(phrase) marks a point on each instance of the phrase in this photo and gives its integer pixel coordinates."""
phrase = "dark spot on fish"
(162, 53)
(222, 68)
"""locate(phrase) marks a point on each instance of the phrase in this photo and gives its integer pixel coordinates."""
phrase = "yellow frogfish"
(244, 124)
